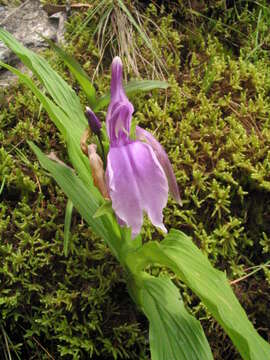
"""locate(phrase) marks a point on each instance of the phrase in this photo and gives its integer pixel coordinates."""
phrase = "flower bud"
(93, 121)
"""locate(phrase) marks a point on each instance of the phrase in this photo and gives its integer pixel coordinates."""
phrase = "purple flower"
(137, 170)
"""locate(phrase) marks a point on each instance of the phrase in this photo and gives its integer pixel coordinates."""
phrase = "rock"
(26, 22)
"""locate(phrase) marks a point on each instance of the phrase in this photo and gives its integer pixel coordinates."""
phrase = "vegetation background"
(214, 122)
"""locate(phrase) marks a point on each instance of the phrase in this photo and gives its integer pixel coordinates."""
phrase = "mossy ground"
(214, 122)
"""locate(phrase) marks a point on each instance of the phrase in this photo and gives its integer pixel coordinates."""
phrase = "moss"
(214, 123)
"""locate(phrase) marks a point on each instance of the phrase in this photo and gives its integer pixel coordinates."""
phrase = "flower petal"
(118, 118)
(136, 183)
(117, 91)
(119, 124)
(144, 135)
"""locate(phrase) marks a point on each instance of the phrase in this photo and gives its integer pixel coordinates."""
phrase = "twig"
(53, 8)
(43, 348)
(251, 273)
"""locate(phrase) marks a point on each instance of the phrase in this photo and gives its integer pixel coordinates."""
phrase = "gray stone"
(25, 23)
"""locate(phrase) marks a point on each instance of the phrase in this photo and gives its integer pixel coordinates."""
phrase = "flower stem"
(102, 149)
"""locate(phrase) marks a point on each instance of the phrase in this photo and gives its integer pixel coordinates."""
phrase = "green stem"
(102, 149)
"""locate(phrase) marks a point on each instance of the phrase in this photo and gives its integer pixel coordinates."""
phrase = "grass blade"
(2, 185)
(140, 31)
(68, 217)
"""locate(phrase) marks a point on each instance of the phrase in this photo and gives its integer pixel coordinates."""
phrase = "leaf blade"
(70, 131)
(83, 200)
(173, 332)
(64, 96)
(178, 252)
(131, 88)
(78, 72)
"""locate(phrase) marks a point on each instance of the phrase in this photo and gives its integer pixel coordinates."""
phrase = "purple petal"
(119, 124)
(136, 183)
(117, 90)
(118, 118)
(144, 135)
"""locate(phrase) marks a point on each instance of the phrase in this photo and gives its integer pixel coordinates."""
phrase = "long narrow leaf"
(61, 93)
(78, 72)
(82, 199)
(68, 116)
(179, 253)
(64, 96)
(65, 108)
(70, 131)
(131, 88)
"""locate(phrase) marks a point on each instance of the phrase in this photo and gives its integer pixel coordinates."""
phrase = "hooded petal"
(117, 91)
(144, 135)
(136, 183)
(118, 118)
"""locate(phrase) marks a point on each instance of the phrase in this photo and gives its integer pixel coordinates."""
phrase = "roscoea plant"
(112, 200)
(135, 178)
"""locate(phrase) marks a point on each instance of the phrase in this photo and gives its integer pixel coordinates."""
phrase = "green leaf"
(64, 96)
(78, 72)
(179, 253)
(70, 131)
(131, 88)
(135, 86)
(68, 217)
(65, 111)
(174, 333)
(104, 209)
(65, 108)
(83, 200)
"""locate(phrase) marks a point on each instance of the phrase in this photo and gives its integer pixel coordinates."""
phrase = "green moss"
(214, 123)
